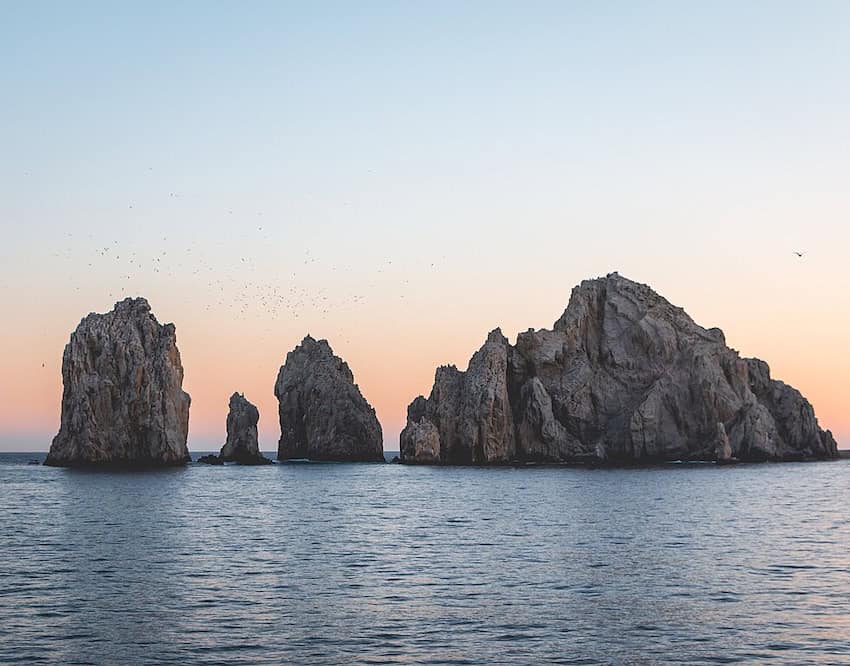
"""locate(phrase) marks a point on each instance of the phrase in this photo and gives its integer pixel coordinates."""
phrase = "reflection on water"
(337, 564)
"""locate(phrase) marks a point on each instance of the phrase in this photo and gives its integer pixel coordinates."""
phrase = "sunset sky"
(401, 178)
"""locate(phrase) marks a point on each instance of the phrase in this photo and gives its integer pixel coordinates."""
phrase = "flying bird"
(799, 254)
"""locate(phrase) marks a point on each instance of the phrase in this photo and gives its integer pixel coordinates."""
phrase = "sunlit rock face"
(323, 415)
(242, 445)
(122, 402)
(623, 377)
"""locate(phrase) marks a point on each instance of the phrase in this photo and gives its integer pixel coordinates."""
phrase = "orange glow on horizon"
(390, 374)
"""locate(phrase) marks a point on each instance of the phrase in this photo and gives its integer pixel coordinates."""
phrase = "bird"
(800, 255)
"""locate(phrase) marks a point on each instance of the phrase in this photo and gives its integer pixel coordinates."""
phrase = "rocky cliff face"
(323, 416)
(467, 419)
(242, 445)
(624, 376)
(122, 402)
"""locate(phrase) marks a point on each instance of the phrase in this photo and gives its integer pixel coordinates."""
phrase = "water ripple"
(384, 564)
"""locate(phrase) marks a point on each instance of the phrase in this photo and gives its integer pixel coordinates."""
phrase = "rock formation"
(122, 402)
(623, 377)
(722, 448)
(323, 416)
(241, 445)
(468, 417)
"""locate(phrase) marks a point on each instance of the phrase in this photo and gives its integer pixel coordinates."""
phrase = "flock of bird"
(235, 286)
(242, 275)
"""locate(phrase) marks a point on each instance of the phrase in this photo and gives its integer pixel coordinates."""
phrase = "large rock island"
(122, 401)
(323, 415)
(624, 377)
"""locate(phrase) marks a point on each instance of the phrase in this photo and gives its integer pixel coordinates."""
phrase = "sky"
(400, 178)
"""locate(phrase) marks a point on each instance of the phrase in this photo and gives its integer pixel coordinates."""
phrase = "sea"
(333, 563)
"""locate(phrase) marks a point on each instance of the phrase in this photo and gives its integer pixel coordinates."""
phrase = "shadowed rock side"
(323, 416)
(241, 445)
(122, 402)
(623, 377)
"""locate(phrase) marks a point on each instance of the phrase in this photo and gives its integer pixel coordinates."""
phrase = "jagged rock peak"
(467, 418)
(624, 376)
(323, 415)
(242, 445)
(131, 304)
(122, 401)
(632, 300)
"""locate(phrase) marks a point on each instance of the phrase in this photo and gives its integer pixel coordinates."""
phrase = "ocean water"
(387, 564)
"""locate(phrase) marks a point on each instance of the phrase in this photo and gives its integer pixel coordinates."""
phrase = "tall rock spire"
(323, 415)
(122, 402)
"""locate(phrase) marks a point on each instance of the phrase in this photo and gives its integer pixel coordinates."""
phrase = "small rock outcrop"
(623, 377)
(323, 415)
(242, 445)
(122, 401)
(722, 448)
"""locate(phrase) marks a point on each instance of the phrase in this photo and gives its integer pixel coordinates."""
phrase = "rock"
(323, 415)
(722, 448)
(123, 402)
(792, 431)
(467, 419)
(623, 377)
(241, 445)
(421, 442)
(210, 459)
